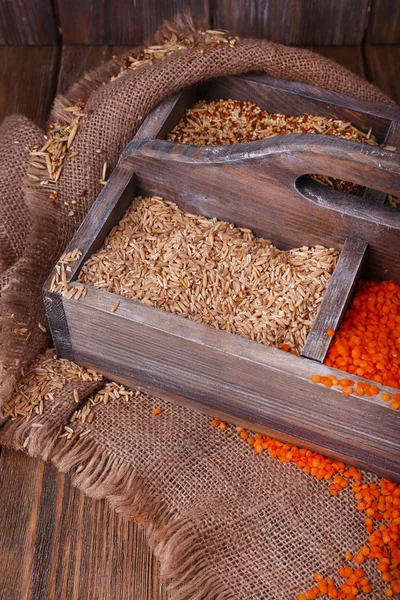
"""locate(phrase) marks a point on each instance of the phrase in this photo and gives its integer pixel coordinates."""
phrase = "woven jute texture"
(225, 523)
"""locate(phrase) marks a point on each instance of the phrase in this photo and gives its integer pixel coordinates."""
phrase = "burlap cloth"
(225, 523)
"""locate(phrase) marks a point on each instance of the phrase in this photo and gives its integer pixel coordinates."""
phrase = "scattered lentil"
(380, 502)
(57, 147)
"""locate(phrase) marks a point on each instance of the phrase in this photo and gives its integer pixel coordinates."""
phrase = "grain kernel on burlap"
(225, 523)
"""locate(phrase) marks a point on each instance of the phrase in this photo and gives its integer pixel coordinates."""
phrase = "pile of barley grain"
(46, 375)
(224, 122)
(212, 272)
(85, 413)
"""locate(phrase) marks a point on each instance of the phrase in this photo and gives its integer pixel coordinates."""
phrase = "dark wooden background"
(316, 22)
(54, 542)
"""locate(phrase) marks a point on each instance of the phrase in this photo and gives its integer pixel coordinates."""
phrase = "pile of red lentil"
(367, 344)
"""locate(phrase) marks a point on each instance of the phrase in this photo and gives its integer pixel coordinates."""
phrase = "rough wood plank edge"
(228, 376)
(58, 325)
(336, 299)
(392, 139)
(166, 115)
(108, 209)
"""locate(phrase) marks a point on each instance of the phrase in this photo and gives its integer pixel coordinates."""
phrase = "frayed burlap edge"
(174, 541)
(102, 475)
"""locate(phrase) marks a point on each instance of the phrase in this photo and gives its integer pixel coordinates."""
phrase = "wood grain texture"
(57, 543)
(384, 22)
(350, 57)
(28, 77)
(79, 59)
(382, 68)
(232, 378)
(58, 325)
(295, 22)
(392, 140)
(27, 22)
(336, 299)
(114, 200)
(20, 484)
(121, 22)
(166, 115)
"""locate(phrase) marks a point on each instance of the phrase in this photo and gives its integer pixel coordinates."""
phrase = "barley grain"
(46, 375)
(212, 272)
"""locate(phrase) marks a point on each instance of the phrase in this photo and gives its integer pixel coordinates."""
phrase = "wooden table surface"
(55, 542)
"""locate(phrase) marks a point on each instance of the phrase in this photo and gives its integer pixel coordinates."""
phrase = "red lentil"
(368, 340)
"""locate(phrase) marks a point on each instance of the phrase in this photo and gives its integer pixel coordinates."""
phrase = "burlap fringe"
(101, 475)
(174, 541)
(25, 286)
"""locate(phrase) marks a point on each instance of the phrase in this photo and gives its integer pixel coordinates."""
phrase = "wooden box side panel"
(228, 376)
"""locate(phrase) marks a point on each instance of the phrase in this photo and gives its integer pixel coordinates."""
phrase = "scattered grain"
(115, 306)
(204, 40)
(46, 375)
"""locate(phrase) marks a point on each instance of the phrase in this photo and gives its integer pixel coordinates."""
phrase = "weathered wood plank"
(58, 325)
(166, 115)
(233, 378)
(384, 22)
(57, 543)
(293, 97)
(213, 181)
(115, 198)
(28, 78)
(382, 68)
(392, 140)
(116, 22)
(295, 22)
(20, 485)
(336, 299)
(28, 22)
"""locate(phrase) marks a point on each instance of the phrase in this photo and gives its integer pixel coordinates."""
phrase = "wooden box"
(264, 186)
